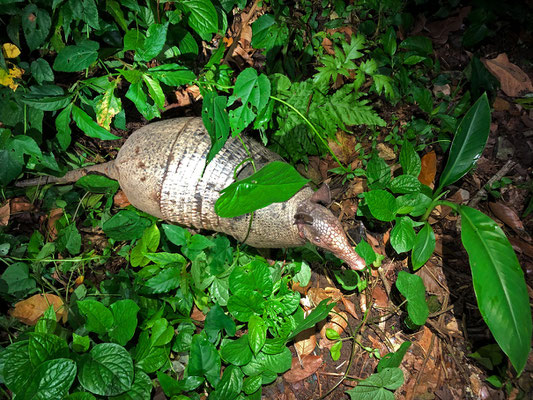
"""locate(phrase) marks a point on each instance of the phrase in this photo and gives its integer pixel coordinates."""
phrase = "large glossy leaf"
(499, 284)
(468, 143)
(274, 183)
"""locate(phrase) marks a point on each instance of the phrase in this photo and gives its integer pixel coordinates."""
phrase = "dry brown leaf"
(526, 248)
(350, 307)
(439, 30)
(20, 204)
(508, 217)
(5, 213)
(513, 80)
(316, 295)
(425, 339)
(338, 322)
(343, 147)
(429, 169)
(305, 342)
(120, 200)
(54, 216)
(380, 297)
(386, 152)
(30, 310)
(501, 104)
(310, 365)
(197, 315)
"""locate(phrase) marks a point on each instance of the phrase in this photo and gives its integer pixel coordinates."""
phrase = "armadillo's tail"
(107, 169)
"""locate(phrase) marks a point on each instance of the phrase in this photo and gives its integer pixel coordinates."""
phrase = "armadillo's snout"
(324, 230)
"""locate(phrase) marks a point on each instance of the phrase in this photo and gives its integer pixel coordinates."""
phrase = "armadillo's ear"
(322, 195)
(303, 219)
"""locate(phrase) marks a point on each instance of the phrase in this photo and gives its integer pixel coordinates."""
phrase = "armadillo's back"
(160, 170)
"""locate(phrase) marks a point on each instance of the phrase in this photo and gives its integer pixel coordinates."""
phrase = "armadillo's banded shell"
(173, 186)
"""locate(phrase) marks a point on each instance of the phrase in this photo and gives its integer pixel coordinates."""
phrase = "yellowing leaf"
(16, 72)
(107, 108)
(7, 80)
(30, 310)
(10, 50)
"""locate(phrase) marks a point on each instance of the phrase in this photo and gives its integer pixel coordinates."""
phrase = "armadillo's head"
(318, 225)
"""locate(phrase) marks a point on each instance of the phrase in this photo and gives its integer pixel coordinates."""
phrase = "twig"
(509, 165)
(237, 37)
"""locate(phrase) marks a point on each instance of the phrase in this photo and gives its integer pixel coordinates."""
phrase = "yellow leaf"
(107, 108)
(7, 80)
(16, 72)
(10, 50)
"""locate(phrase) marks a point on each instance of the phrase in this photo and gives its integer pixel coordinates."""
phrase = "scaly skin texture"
(161, 169)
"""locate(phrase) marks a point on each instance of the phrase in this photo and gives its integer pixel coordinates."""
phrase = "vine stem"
(315, 131)
(438, 202)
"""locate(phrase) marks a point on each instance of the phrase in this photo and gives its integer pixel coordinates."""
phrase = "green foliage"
(91, 67)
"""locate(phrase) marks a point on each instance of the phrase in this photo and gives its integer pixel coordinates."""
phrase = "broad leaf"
(413, 289)
(423, 246)
(498, 283)
(89, 127)
(77, 58)
(275, 182)
(468, 142)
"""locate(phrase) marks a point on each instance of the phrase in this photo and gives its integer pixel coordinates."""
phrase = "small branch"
(509, 165)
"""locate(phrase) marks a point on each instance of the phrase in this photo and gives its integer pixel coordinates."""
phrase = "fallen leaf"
(526, 248)
(316, 295)
(5, 212)
(350, 307)
(509, 218)
(343, 147)
(30, 310)
(54, 216)
(120, 200)
(513, 80)
(386, 152)
(20, 204)
(305, 342)
(197, 315)
(444, 89)
(380, 297)
(310, 365)
(501, 104)
(429, 169)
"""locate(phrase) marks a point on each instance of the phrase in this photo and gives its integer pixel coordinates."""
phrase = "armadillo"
(161, 169)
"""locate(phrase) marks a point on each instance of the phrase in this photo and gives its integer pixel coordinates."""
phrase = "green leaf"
(90, 14)
(97, 184)
(156, 93)
(378, 385)
(378, 173)
(124, 320)
(204, 360)
(63, 127)
(251, 88)
(335, 351)
(382, 204)
(405, 184)
(113, 8)
(409, 160)
(423, 98)
(254, 276)
(275, 182)
(318, 314)
(468, 142)
(393, 360)
(140, 390)
(162, 333)
(419, 44)
(413, 289)
(244, 304)
(414, 204)
(216, 121)
(50, 380)
(69, 238)
(138, 96)
(164, 281)
(107, 370)
(149, 358)
(77, 58)
(202, 17)
(156, 36)
(257, 332)
(16, 280)
(423, 246)
(99, 318)
(172, 74)
(45, 346)
(12, 167)
(89, 127)
(499, 284)
(388, 39)
(125, 225)
(236, 352)
(80, 344)
(41, 71)
(230, 384)
(403, 235)
(251, 384)
(36, 25)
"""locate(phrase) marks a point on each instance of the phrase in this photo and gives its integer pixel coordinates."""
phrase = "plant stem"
(315, 131)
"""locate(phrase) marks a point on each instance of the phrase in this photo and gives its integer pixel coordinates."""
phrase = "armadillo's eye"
(317, 239)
